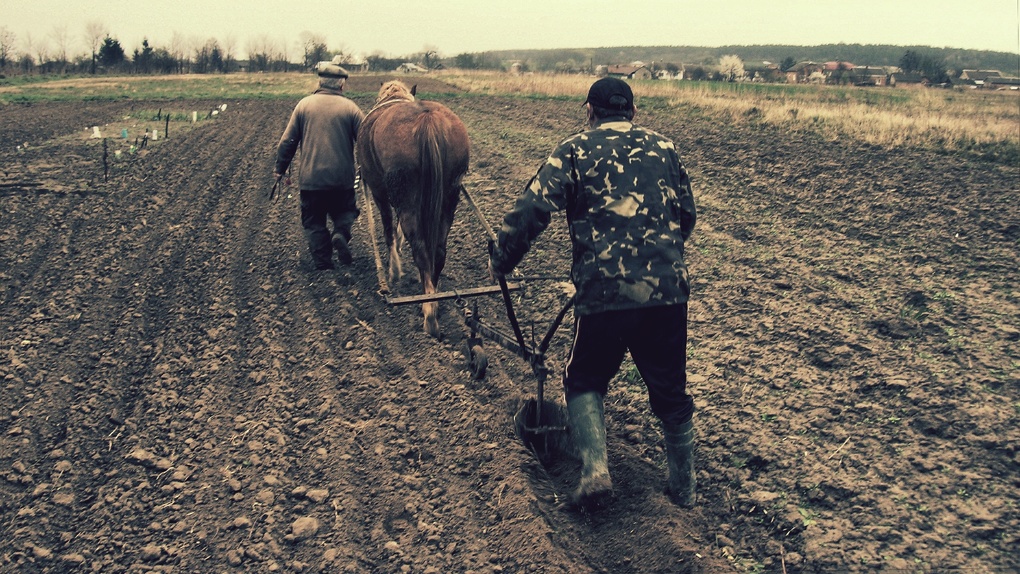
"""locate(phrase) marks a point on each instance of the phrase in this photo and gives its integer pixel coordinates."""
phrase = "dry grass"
(169, 87)
(979, 121)
(956, 120)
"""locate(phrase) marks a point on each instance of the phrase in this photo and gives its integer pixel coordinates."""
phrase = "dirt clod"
(218, 406)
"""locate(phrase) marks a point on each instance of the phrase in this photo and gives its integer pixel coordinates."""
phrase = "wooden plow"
(540, 424)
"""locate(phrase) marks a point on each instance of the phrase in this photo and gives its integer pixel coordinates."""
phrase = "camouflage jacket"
(629, 206)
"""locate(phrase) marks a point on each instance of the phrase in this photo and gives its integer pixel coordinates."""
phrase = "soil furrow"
(180, 391)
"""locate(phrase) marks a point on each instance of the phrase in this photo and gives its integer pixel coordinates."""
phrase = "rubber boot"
(680, 458)
(319, 248)
(588, 431)
(343, 251)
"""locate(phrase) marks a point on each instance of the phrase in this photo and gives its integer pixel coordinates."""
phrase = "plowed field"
(181, 392)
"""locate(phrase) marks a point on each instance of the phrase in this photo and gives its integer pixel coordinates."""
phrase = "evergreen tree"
(910, 62)
(111, 53)
(143, 59)
(934, 68)
(465, 61)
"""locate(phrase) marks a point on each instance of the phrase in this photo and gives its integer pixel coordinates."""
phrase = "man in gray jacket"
(324, 126)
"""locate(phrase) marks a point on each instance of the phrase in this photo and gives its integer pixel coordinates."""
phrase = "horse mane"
(394, 90)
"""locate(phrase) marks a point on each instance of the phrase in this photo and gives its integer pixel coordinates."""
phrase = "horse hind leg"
(430, 309)
(395, 271)
(398, 244)
(392, 234)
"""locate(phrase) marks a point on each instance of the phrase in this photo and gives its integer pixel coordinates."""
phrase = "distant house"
(869, 76)
(838, 72)
(1003, 83)
(629, 72)
(835, 66)
(979, 75)
(978, 78)
(805, 72)
(361, 66)
(411, 68)
(908, 80)
(763, 72)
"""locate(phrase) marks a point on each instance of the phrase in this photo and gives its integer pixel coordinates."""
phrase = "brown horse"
(413, 155)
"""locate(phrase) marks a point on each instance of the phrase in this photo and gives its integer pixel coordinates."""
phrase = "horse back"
(392, 139)
(457, 145)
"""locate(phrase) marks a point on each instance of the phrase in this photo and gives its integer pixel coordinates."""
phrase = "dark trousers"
(340, 206)
(657, 340)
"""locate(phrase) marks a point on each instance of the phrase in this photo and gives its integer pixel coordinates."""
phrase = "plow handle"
(505, 290)
(502, 280)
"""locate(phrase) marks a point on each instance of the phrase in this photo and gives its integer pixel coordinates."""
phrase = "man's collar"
(613, 123)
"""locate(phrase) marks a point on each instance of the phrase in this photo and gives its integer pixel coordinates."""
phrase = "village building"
(986, 79)
(908, 80)
(411, 68)
(806, 73)
(870, 76)
(763, 72)
(1004, 83)
(629, 72)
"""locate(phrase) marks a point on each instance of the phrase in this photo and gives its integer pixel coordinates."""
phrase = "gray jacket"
(324, 125)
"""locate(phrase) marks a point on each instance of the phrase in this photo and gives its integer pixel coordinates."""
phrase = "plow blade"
(542, 426)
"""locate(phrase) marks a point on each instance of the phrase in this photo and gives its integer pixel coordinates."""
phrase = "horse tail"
(431, 143)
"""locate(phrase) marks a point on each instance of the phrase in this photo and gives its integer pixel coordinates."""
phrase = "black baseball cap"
(611, 94)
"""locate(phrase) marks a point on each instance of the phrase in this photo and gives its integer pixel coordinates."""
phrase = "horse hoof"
(432, 326)
(478, 362)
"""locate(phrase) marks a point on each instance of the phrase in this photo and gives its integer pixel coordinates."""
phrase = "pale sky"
(403, 27)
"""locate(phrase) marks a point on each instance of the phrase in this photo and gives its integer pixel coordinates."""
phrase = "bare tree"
(26, 62)
(430, 56)
(260, 54)
(61, 39)
(178, 49)
(7, 40)
(731, 67)
(209, 57)
(345, 54)
(283, 59)
(192, 47)
(229, 52)
(95, 31)
(313, 47)
(42, 53)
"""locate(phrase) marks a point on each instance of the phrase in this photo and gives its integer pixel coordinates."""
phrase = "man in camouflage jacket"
(630, 208)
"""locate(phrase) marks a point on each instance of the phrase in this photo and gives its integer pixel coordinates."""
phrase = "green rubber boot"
(680, 456)
(588, 431)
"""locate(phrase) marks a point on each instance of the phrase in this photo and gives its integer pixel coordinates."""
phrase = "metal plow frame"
(540, 424)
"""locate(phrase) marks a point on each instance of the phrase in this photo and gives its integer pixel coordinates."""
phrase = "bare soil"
(181, 392)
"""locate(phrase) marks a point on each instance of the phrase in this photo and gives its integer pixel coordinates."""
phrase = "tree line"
(707, 59)
(105, 54)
